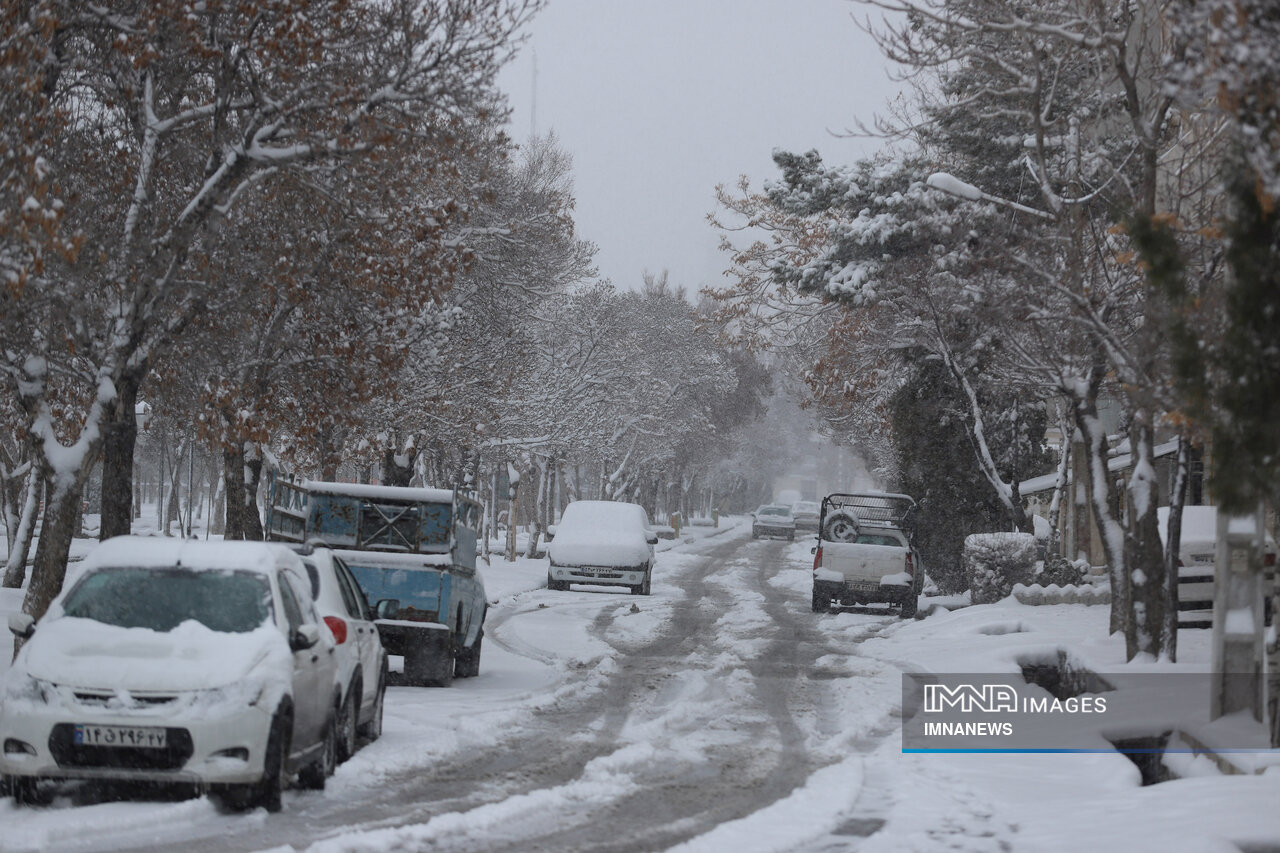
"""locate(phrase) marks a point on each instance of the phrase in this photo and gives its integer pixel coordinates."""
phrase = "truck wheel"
(468, 661)
(909, 605)
(821, 603)
(840, 527)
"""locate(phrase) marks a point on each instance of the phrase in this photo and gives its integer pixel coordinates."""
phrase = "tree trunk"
(511, 521)
(1173, 545)
(539, 509)
(15, 570)
(1100, 494)
(233, 487)
(252, 519)
(56, 532)
(1060, 484)
(119, 436)
(330, 442)
(1144, 627)
(173, 505)
(395, 472)
(217, 500)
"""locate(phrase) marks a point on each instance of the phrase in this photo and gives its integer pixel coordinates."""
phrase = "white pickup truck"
(864, 555)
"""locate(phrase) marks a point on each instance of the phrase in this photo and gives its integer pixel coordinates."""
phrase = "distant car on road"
(178, 662)
(602, 543)
(774, 520)
(806, 514)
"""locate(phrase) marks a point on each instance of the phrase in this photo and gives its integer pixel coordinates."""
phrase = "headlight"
(22, 687)
(241, 694)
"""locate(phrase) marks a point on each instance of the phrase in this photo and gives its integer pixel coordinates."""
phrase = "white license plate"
(123, 736)
(594, 573)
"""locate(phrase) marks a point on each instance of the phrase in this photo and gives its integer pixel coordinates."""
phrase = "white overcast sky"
(659, 101)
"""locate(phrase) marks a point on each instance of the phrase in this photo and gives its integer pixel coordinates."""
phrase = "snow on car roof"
(147, 551)
(603, 514)
(386, 493)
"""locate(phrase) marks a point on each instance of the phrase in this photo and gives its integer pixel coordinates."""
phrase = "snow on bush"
(1061, 571)
(995, 562)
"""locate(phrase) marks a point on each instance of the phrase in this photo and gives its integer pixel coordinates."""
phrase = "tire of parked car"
(24, 790)
(755, 533)
(840, 527)
(909, 605)
(313, 776)
(644, 588)
(555, 585)
(347, 722)
(266, 792)
(371, 729)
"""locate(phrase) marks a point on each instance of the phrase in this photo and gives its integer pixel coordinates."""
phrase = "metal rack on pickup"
(874, 509)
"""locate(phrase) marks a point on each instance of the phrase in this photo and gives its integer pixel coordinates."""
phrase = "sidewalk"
(1080, 801)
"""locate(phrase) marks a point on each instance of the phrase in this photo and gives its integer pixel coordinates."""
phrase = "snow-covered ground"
(548, 650)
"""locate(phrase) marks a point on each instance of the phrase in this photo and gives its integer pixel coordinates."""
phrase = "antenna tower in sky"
(533, 109)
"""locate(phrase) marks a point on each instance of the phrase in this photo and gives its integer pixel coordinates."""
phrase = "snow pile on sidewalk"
(1056, 802)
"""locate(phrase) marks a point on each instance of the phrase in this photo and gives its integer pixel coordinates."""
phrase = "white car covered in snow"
(175, 662)
(607, 543)
(362, 661)
(773, 520)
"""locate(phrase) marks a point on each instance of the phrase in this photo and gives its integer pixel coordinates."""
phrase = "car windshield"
(775, 510)
(806, 507)
(162, 599)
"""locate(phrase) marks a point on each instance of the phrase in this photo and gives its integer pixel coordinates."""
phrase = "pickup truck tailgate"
(857, 562)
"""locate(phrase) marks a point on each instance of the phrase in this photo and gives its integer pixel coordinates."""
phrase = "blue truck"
(413, 551)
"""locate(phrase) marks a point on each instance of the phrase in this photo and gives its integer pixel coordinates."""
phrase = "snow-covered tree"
(167, 118)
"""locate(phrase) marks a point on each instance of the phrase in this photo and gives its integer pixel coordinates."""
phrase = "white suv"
(362, 662)
(172, 661)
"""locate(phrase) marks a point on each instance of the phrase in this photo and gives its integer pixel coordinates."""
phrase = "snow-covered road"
(601, 721)
(718, 714)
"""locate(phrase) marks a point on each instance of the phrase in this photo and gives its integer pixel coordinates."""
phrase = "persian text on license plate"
(125, 736)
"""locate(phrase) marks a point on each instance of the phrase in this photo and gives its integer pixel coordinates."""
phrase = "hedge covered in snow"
(995, 562)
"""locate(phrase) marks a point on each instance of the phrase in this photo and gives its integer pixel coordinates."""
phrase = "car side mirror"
(304, 638)
(387, 608)
(551, 532)
(22, 625)
(651, 537)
